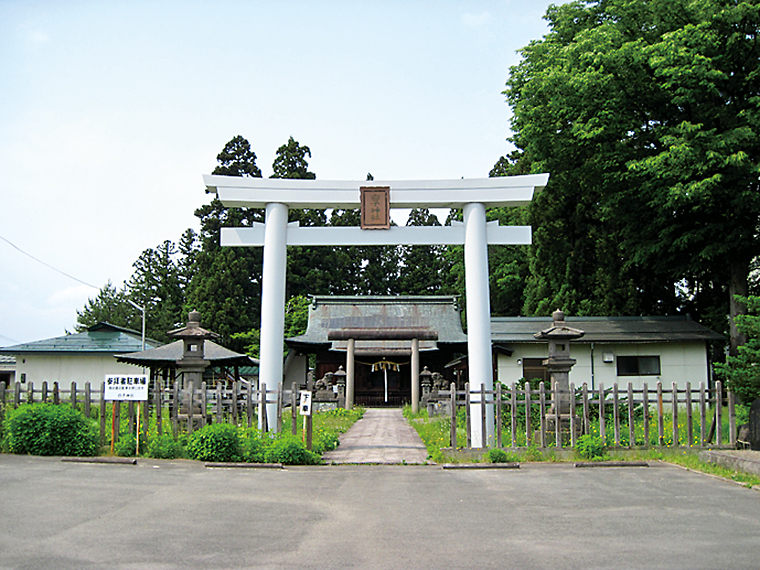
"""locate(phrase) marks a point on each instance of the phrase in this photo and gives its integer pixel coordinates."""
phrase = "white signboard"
(305, 403)
(123, 387)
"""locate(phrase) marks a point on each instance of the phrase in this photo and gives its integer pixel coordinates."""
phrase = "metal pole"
(142, 310)
(478, 316)
(273, 301)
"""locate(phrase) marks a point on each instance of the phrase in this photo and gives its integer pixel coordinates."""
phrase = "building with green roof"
(82, 357)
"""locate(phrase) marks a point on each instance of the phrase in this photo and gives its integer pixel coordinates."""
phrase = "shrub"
(590, 447)
(499, 456)
(126, 444)
(254, 446)
(290, 450)
(164, 447)
(47, 429)
(215, 442)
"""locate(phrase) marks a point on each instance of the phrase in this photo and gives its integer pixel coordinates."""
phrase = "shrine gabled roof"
(436, 319)
(99, 338)
(170, 353)
(606, 329)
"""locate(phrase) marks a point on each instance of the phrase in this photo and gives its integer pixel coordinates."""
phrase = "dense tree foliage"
(423, 267)
(742, 372)
(645, 112)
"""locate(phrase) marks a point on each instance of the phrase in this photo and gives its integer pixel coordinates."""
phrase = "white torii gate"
(473, 196)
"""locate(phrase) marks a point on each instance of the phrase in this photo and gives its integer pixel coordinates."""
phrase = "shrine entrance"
(383, 384)
(376, 201)
(390, 334)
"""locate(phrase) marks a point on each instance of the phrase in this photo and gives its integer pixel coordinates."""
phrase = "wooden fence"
(622, 418)
(188, 409)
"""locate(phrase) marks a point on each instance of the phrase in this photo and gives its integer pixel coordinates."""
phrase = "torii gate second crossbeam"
(473, 196)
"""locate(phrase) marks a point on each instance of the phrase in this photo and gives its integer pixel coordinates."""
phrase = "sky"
(111, 112)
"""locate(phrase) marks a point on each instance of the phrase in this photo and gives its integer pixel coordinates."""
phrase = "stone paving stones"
(382, 436)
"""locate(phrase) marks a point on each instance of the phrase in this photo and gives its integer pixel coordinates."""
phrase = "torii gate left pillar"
(473, 196)
(273, 277)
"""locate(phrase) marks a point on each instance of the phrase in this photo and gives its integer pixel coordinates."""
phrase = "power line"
(10, 339)
(14, 246)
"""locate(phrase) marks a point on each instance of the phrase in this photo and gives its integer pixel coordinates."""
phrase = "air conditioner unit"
(608, 357)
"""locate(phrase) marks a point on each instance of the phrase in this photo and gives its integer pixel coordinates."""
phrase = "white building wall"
(680, 362)
(65, 369)
(296, 369)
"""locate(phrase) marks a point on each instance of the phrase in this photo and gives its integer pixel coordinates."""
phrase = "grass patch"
(690, 460)
(326, 427)
(435, 434)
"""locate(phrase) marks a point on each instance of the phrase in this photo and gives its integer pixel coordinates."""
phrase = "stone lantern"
(426, 382)
(559, 362)
(340, 381)
(192, 364)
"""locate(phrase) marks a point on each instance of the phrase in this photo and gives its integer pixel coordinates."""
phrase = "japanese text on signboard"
(124, 387)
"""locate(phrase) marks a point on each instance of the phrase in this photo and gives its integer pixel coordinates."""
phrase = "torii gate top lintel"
(248, 192)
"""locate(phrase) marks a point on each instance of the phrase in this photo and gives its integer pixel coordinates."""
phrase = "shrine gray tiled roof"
(438, 315)
(99, 338)
(606, 329)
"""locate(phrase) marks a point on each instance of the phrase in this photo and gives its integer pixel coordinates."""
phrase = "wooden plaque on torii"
(376, 207)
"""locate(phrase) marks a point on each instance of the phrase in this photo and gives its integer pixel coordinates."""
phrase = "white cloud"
(476, 20)
(38, 37)
(76, 295)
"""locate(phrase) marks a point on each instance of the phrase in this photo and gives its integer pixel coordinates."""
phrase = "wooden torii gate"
(276, 234)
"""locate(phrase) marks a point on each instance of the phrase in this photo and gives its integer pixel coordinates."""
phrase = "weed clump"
(591, 447)
(499, 456)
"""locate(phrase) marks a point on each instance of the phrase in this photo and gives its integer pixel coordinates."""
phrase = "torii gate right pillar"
(480, 366)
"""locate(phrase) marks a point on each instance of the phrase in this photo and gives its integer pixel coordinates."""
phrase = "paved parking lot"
(179, 514)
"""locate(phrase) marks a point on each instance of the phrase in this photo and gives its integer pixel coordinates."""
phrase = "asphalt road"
(179, 514)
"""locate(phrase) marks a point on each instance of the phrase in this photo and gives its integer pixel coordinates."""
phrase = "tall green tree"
(645, 113)
(109, 306)
(155, 286)
(290, 161)
(226, 283)
(309, 268)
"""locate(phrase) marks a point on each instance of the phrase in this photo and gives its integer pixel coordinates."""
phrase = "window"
(534, 369)
(638, 365)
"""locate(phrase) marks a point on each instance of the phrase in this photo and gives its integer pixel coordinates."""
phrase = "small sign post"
(118, 387)
(306, 413)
